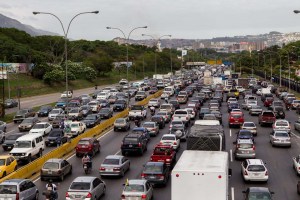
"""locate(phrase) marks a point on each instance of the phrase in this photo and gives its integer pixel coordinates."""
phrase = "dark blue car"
(143, 130)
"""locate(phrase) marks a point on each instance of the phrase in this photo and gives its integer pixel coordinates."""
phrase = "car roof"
(244, 141)
(56, 160)
(155, 163)
(84, 179)
(255, 161)
(12, 181)
(137, 182)
(258, 189)
(114, 157)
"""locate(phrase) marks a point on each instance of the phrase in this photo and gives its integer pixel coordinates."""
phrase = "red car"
(164, 153)
(236, 119)
(268, 102)
(87, 145)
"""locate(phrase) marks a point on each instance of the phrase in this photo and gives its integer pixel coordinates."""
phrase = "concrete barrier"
(34, 167)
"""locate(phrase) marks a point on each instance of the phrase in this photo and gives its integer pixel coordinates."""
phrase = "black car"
(106, 113)
(10, 141)
(157, 173)
(86, 110)
(92, 120)
(134, 143)
(44, 111)
(203, 111)
(233, 106)
(56, 137)
(175, 104)
(218, 115)
(120, 105)
(279, 112)
(159, 119)
(259, 192)
(10, 103)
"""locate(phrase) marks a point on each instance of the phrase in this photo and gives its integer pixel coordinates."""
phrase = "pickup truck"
(266, 117)
(137, 111)
(164, 153)
(67, 94)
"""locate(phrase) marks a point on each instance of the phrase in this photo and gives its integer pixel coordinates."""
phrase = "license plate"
(83, 146)
(119, 128)
(152, 177)
(109, 170)
(130, 145)
(236, 121)
(51, 142)
(77, 196)
(49, 172)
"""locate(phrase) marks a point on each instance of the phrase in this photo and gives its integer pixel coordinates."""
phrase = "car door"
(8, 165)
(149, 191)
(24, 193)
(67, 167)
(125, 163)
(97, 188)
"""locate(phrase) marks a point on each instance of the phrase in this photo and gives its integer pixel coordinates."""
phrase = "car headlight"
(23, 154)
(0, 171)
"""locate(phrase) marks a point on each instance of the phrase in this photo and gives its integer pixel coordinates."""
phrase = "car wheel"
(36, 196)
(29, 159)
(104, 191)
(4, 174)
(61, 178)
(71, 170)
(40, 154)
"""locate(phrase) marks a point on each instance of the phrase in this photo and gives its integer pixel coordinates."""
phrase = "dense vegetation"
(86, 59)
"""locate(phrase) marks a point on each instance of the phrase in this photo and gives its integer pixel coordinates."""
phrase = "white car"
(280, 138)
(296, 164)
(95, 105)
(232, 100)
(165, 95)
(170, 139)
(76, 128)
(54, 112)
(102, 95)
(250, 126)
(176, 123)
(282, 124)
(258, 92)
(191, 113)
(240, 88)
(254, 170)
(65, 94)
(42, 128)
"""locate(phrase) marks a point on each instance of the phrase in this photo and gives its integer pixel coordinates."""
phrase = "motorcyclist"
(137, 121)
(52, 188)
(87, 160)
(152, 110)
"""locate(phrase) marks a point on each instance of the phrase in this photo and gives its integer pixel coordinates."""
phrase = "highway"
(282, 177)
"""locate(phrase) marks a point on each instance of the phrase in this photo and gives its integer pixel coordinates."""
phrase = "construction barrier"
(34, 167)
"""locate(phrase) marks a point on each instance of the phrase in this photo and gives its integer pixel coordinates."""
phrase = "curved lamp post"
(127, 41)
(65, 38)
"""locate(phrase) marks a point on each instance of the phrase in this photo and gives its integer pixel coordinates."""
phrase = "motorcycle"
(137, 122)
(50, 194)
(87, 167)
(152, 112)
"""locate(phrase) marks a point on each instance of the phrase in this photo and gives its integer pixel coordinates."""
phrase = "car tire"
(62, 177)
(104, 191)
(4, 174)
(40, 154)
(71, 171)
(29, 159)
(36, 196)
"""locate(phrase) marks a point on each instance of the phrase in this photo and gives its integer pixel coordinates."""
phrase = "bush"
(55, 75)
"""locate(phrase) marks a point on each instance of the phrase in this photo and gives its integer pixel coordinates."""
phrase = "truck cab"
(164, 153)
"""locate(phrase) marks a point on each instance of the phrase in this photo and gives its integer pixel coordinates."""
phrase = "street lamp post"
(66, 38)
(127, 42)
(156, 41)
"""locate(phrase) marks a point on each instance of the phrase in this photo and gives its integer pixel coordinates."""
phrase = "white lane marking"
(11, 131)
(118, 152)
(295, 135)
(230, 132)
(232, 193)
(75, 154)
(231, 159)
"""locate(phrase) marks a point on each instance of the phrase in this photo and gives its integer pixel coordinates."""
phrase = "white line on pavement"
(296, 135)
(230, 132)
(232, 193)
(11, 131)
(118, 152)
(231, 159)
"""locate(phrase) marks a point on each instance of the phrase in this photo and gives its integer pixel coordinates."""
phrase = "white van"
(28, 146)
(170, 90)
(207, 122)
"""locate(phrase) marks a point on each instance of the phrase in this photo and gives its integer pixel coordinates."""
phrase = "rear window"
(8, 189)
(51, 165)
(160, 151)
(80, 186)
(130, 139)
(83, 142)
(165, 107)
(167, 138)
(152, 169)
(256, 168)
(249, 124)
(282, 124)
(245, 146)
(137, 107)
(268, 114)
(236, 116)
(282, 134)
(180, 112)
(111, 162)
(134, 188)
(148, 125)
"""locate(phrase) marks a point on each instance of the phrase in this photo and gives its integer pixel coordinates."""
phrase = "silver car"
(152, 127)
(244, 149)
(135, 189)
(86, 187)
(280, 138)
(255, 110)
(23, 189)
(2, 126)
(114, 165)
(251, 127)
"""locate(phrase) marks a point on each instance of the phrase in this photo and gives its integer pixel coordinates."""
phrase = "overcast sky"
(189, 19)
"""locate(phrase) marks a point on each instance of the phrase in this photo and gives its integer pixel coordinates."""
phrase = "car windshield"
(130, 139)
(92, 103)
(111, 161)
(75, 125)
(104, 110)
(38, 126)
(236, 116)
(21, 112)
(180, 112)
(12, 137)
(281, 134)
(80, 186)
(27, 121)
(119, 102)
(168, 138)
(153, 169)
(204, 110)
(51, 165)
(8, 189)
(256, 107)
(54, 133)
(137, 107)
(74, 111)
(83, 142)
(120, 121)
(134, 188)
(256, 168)
(282, 124)
(278, 108)
(23, 144)
(90, 117)
(55, 111)
(2, 162)
(165, 107)
(245, 146)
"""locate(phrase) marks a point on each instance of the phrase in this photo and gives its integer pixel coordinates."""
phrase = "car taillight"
(143, 175)
(67, 194)
(59, 171)
(17, 196)
(116, 169)
(175, 143)
(139, 144)
(168, 160)
(245, 173)
(102, 168)
(253, 147)
(144, 196)
(89, 195)
(266, 174)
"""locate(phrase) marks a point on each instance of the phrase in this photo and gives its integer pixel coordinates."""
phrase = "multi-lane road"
(282, 177)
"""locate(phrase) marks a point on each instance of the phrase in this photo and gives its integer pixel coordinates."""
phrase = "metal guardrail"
(34, 167)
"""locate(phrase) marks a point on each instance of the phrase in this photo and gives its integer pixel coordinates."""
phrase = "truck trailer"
(201, 175)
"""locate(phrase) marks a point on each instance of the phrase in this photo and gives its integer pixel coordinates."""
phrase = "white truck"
(217, 80)
(227, 72)
(137, 111)
(201, 175)
(265, 91)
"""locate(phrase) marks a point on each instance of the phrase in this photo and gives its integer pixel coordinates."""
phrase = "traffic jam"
(250, 121)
